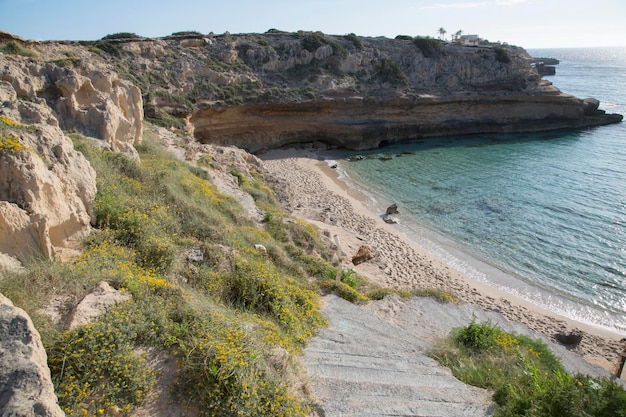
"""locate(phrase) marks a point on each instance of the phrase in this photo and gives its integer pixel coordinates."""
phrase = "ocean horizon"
(541, 216)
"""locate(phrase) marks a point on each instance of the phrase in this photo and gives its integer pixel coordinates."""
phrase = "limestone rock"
(364, 254)
(9, 264)
(21, 235)
(100, 105)
(96, 303)
(571, 338)
(25, 385)
(47, 188)
(193, 43)
(93, 101)
(7, 93)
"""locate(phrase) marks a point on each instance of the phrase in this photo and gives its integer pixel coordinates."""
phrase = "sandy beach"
(313, 192)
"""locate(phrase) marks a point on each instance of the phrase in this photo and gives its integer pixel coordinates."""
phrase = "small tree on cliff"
(442, 33)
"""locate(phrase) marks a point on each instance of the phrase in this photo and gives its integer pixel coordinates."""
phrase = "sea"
(541, 215)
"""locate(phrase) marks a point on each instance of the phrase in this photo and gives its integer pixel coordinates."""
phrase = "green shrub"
(356, 41)
(526, 377)
(187, 33)
(381, 293)
(479, 337)
(70, 60)
(14, 47)
(223, 371)
(95, 370)
(439, 295)
(501, 55)
(236, 307)
(343, 290)
(430, 47)
(107, 47)
(10, 143)
(314, 41)
(389, 71)
(121, 35)
(256, 285)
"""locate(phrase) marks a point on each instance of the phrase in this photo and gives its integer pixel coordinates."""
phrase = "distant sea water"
(542, 216)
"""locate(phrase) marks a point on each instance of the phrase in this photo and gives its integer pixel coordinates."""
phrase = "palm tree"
(457, 35)
(442, 33)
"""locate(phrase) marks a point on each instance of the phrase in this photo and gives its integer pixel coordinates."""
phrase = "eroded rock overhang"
(368, 123)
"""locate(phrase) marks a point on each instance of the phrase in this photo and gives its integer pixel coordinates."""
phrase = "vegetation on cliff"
(189, 71)
(235, 317)
(227, 315)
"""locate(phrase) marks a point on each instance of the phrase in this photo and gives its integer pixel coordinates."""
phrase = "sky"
(526, 23)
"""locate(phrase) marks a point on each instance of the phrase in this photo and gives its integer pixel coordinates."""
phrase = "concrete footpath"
(372, 360)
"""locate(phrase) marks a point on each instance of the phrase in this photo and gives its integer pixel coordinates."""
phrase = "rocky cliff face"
(255, 91)
(260, 91)
(47, 188)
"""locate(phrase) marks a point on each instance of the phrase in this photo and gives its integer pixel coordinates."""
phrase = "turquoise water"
(548, 211)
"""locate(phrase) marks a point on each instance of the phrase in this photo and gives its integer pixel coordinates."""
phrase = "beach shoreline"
(315, 192)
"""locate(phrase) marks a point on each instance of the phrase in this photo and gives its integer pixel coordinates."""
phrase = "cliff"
(261, 91)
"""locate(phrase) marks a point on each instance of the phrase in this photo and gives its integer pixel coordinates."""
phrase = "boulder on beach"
(570, 339)
(389, 219)
(364, 254)
(392, 209)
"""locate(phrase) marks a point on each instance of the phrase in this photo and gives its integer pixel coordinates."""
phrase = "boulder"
(25, 384)
(193, 43)
(392, 209)
(102, 298)
(570, 339)
(590, 106)
(387, 218)
(364, 254)
(22, 236)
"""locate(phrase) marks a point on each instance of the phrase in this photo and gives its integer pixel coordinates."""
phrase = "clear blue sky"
(527, 23)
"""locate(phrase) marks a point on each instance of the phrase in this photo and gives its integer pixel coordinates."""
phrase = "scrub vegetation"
(525, 376)
(235, 317)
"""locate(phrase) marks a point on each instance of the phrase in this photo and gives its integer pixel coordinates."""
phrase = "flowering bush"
(10, 143)
(222, 315)
(95, 369)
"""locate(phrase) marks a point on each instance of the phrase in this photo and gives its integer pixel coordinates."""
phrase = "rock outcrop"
(368, 123)
(47, 188)
(25, 384)
(364, 254)
(85, 98)
(96, 303)
(262, 91)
